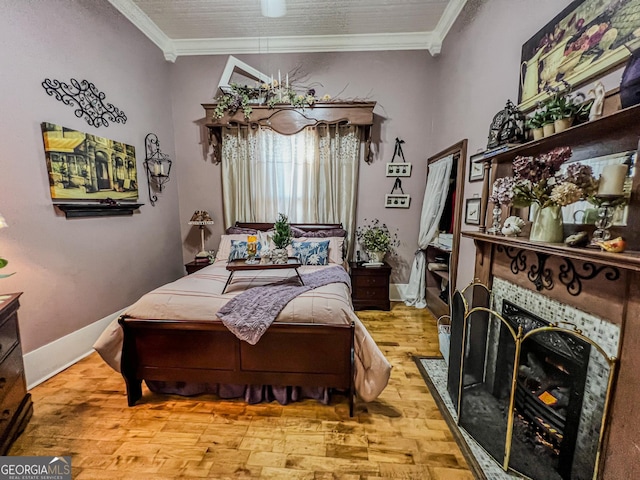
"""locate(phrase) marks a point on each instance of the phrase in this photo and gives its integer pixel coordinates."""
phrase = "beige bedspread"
(199, 296)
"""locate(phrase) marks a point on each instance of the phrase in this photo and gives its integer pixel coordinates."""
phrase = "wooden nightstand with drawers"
(195, 265)
(370, 286)
(16, 406)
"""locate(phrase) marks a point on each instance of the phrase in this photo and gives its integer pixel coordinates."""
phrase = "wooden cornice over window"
(289, 120)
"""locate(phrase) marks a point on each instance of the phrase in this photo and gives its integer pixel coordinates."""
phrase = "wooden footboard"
(302, 355)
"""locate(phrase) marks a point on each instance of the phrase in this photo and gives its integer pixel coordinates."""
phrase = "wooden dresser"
(16, 406)
(370, 286)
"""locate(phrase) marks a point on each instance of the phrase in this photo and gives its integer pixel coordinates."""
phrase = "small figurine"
(512, 226)
(598, 103)
(578, 239)
(616, 245)
(507, 126)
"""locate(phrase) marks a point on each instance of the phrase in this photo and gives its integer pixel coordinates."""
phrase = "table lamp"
(201, 218)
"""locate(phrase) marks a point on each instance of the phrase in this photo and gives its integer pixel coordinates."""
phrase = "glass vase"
(495, 226)
(547, 225)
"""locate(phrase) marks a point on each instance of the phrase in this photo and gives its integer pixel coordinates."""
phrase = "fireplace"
(549, 389)
(535, 400)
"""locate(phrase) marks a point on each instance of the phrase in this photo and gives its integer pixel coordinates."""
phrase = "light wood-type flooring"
(82, 412)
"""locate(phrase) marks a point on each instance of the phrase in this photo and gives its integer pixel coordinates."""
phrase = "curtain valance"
(289, 120)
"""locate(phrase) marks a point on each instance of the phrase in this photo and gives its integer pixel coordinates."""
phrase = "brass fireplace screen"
(533, 394)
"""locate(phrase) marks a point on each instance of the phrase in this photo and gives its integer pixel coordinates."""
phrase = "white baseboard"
(397, 292)
(48, 360)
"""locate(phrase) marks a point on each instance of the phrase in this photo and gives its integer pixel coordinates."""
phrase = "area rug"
(483, 467)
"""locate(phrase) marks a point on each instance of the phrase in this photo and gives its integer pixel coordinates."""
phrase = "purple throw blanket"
(249, 314)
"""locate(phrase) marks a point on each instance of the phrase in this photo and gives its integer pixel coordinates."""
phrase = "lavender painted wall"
(478, 72)
(74, 272)
(400, 82)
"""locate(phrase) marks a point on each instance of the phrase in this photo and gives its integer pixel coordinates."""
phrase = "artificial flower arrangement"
(273, 93)
(375, 236)
(539, 180)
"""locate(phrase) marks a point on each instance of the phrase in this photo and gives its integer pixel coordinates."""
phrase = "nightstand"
(194, 266)
(370, 286)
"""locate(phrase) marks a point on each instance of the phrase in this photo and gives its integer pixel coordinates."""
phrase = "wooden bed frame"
(291, 354)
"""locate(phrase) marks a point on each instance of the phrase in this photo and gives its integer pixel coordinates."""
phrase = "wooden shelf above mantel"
(288, 120)
(628, 260)
(619, 123)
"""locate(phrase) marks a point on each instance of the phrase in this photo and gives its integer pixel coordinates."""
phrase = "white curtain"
(435, 197)
(311, 176)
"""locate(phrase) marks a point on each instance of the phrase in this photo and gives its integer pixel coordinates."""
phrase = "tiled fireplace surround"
(606, 309)
(602, 332)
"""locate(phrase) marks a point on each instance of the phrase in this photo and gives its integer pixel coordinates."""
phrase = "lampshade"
(3, 222)
(201, 217)
(273, 8)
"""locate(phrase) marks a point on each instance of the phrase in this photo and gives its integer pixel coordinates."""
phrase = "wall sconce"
(201, 218)
(157, 165)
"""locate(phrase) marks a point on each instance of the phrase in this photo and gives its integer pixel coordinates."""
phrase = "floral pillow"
(239, 250)
(312, 253)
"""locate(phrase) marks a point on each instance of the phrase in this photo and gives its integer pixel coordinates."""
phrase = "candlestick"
(156, 169)
(279, 79)
(287, 81)
(612, 179)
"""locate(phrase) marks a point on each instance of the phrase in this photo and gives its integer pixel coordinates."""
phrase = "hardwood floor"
(82, 412)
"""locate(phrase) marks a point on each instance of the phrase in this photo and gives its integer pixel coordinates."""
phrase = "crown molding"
(135, 15)
(304, 44)
(431, 41)
(449, 16)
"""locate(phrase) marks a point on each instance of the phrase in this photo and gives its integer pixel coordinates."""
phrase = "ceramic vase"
(279, 256)
(547, 225)
(376, 257)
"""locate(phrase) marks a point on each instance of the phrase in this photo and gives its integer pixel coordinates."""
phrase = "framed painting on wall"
(476, 171)
(585, 41)
(472, 211)
(82, 166)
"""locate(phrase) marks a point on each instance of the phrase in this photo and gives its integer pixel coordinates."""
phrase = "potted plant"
(376, 239)
(281, 239)
(565, 108)
(547, 121)
(534, 123)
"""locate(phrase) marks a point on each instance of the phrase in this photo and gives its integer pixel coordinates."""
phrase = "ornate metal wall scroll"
(570, 276)
(572, 279)
(88, 99)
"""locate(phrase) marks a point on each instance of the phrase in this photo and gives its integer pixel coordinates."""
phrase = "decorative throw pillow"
(239, 250)
(312, 253)
(241, 230)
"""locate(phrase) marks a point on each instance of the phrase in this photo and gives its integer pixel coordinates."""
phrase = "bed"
(172, 339)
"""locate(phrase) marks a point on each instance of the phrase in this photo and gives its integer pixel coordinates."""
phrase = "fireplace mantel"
(612, 294)
(288, 120)
(629, 260)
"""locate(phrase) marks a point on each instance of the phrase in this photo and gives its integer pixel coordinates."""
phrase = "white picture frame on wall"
(400, 200)
(395, 169)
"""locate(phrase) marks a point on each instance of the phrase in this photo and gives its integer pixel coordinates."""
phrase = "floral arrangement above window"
(376, 237)
(539, 180)
(242, 97)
